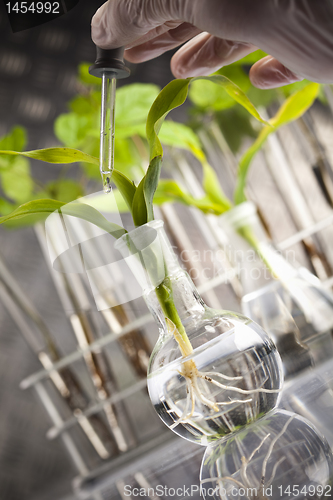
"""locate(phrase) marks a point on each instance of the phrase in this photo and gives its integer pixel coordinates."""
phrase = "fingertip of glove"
(268, 73)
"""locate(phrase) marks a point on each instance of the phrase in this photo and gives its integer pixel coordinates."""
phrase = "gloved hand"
(297, 33)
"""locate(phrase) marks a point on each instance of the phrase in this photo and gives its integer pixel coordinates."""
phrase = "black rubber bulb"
(109, 62)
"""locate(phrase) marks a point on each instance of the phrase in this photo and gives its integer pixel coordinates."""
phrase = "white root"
(226, 478)
(192, 374)
(276, 465)
(246, 461)
(194, 393)
(232, 401)
(226, 377)
(236, 389)
(185, 415)
(200, 396)
(258, 447)
(245, 482)
(271, 446)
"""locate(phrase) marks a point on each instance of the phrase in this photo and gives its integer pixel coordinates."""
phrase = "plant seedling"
(139, 200)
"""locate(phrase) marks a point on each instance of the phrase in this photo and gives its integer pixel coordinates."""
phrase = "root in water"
(191, 374)
(262, 483)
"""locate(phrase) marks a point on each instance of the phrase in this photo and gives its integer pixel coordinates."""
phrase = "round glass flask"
(211, 371)
(280, 456)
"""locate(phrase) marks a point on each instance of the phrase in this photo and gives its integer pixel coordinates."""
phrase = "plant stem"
(247, 234)
(165, 298)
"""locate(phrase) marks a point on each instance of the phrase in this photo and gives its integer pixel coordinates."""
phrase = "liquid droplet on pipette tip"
(106, 183)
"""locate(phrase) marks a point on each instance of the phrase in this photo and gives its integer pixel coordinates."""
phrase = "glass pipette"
(109, 66)
(106, 153)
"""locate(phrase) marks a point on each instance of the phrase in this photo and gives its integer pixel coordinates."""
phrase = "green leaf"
(181, 136)
(133, 103)
(139, 207)
(125, 186)
(235, 92)
(45, 207)
(296, 105)
(75, 209)
(55, 155)
(245, 162)
(150, 184)
(287, 90)
(71, 129)
(207, 206)
(237, 75)
(170, 97)
(126, 156)
(170, 191)
(207, 96)
(132, 107)
(175, 93)
(292, 109)
(85, 77)
(16, 139)
(126, 131)
(86, 104)
(213, 189)
(16, 182)
(90, 214)
(68, 155)
(5, 207)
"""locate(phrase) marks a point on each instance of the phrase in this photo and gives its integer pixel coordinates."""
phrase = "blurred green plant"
(139, 198)
(77, 127)
(210, 105)
(139, 140)
(16, 181)
(215, 201)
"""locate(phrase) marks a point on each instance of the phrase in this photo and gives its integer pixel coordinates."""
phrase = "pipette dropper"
(109, 66)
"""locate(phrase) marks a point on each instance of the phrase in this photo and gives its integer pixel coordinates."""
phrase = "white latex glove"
(297, 33)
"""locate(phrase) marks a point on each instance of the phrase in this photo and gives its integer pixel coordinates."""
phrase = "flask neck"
(251, 250)
(167, 289)
(264, 272)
